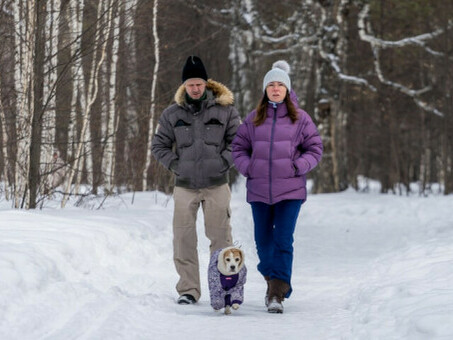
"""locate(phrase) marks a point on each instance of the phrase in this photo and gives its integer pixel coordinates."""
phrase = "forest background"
(83, 83)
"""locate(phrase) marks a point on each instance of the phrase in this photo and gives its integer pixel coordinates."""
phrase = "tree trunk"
(5, 142)
(38, 89)
(447, 145)
(84, 144)
(152, 113)
(331, 176)
(48, 115)
(243, 41)
(75, 17)
(111, 124)
(25, 19)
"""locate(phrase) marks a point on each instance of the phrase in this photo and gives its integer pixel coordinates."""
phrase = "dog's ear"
(221, 263)
(241, 263)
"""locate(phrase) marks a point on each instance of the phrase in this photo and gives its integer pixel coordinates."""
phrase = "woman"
(274, 148)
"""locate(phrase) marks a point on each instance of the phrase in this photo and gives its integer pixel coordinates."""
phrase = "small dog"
(226, 277)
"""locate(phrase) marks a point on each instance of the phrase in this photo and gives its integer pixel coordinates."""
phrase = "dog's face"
(231, 261)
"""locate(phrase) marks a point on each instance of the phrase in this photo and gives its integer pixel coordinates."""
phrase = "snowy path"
(366, 266)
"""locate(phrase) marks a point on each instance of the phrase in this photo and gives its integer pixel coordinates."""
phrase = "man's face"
(195, 87)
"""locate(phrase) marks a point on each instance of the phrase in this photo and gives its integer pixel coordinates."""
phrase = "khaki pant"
(215, 202)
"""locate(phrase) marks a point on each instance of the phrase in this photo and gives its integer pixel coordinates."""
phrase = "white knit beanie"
(279, 72)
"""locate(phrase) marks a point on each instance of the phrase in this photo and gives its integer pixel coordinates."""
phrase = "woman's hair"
(261, 110)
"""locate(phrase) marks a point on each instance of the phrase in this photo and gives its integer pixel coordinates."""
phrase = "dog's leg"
(227, 310)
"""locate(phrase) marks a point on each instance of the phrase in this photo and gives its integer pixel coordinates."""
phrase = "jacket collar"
(217, 94)
(281, 109)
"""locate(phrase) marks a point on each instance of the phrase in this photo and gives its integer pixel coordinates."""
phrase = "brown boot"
(277, 292)
(266, 297)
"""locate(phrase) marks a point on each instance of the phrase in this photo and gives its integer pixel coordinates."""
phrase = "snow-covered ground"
(367, 266)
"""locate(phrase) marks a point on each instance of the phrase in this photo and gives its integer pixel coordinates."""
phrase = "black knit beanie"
(194, 68)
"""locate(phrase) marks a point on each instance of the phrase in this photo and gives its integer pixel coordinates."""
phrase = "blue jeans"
(274, 229)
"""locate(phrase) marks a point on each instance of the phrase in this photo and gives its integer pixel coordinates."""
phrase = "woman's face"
(276, 91)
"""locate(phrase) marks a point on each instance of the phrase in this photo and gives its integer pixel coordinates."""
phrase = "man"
(193, 141)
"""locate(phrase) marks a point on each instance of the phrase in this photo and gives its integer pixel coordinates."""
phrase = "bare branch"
(378, 44)
(418, 40)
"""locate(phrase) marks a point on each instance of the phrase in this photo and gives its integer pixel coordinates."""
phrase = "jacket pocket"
(213, 132)
(249, 171)
(295, 169)
(183, 135)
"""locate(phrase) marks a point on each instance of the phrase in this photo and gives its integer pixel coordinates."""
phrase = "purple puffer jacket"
(225, 290)
(276, 156)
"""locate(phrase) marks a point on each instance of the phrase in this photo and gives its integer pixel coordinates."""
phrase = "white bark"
(84, 152)
(25, 22)
(50, 74)
(75, 17)
(153, 94)
(131, 111)
(84, 145)
(111, 123)
(4, 150)
(19, 22)
(243, 35)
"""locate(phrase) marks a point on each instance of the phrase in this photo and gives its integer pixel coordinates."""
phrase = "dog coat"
(225, 290)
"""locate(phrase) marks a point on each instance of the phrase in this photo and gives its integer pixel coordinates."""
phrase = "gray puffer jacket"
(196, 145)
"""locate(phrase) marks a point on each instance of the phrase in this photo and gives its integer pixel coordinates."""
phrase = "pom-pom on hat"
(282, 64)
(194, 68)
(279, 72)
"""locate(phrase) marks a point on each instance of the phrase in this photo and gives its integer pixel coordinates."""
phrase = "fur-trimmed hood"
(221, 94)
(220, 258)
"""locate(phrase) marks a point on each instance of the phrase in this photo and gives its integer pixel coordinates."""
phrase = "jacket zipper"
(274, 121)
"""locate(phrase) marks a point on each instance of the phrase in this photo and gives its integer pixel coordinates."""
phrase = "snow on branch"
(291, 47)
(378, 44)
(330, 31)
(277, 40)
(418, 40)
(211, 15)
(350, 79)
(423, 105)
(8, 11)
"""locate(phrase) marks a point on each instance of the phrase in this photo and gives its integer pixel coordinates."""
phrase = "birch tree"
(128, 122)
(92, 91)
(5, 141)
(75, 17)
(50, 74)
(111, 121)
(447, 62)
(331, 117)
(152, 113)
(25, 23)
